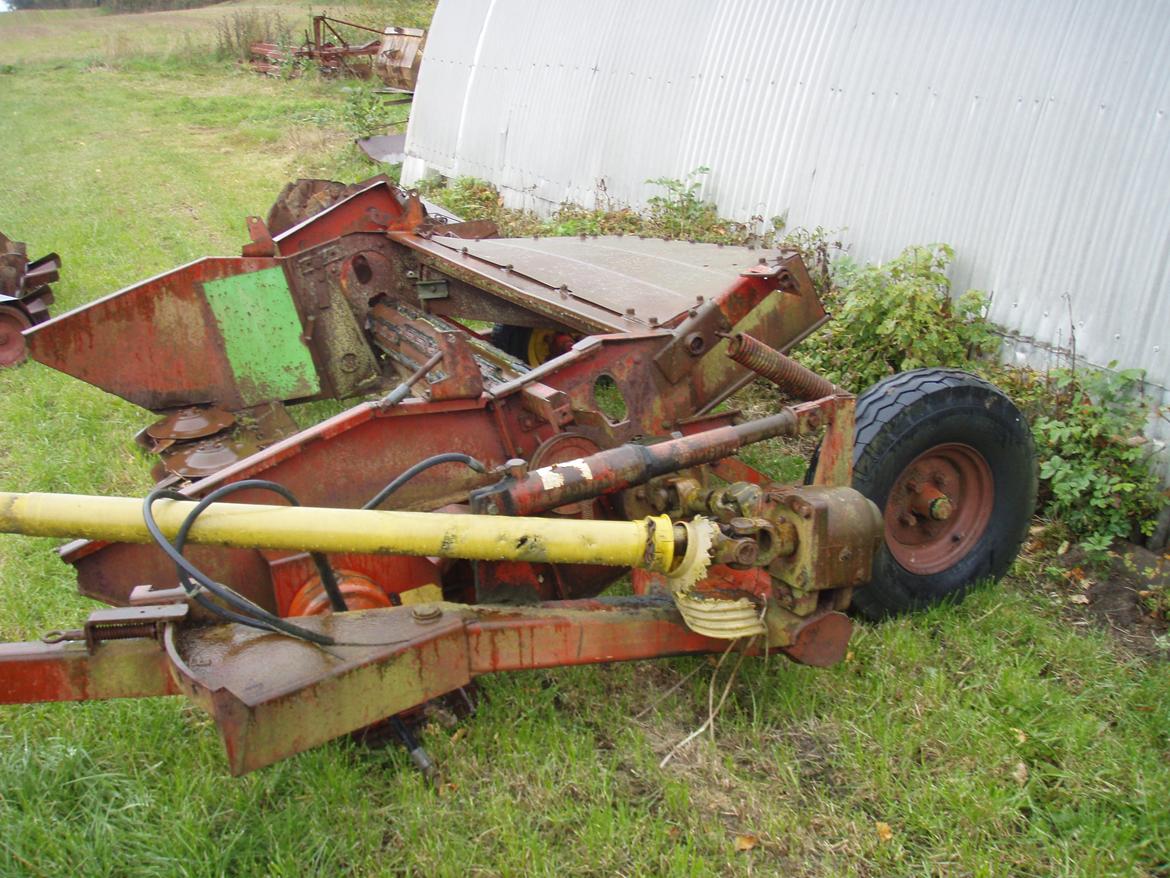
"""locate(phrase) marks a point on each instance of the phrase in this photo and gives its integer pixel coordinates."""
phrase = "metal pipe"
(625, 466)
(648, 543)
(402, 391)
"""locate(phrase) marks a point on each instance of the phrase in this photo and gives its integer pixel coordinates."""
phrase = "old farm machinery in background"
(25, 296)
(467, 515)
(394, 57)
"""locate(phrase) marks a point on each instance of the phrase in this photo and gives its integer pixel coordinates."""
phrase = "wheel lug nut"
(908, 519)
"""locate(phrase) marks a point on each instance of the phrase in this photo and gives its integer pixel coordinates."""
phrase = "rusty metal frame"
(273, 697)
(377, 289)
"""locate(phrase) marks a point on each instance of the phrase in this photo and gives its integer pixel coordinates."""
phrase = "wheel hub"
(939, 507)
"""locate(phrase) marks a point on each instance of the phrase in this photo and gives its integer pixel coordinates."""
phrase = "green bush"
(896, 316)
(367, 113)
(1095, 474)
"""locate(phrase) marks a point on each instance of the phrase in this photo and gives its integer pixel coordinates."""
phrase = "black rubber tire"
(901, 417)
(512, 340)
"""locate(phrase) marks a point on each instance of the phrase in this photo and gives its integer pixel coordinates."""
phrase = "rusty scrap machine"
(25, 296)
(467, 514)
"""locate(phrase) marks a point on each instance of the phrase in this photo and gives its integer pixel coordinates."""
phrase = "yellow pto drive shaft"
(648, 543)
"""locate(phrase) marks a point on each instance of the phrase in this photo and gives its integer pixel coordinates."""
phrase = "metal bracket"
(121, 623)
(431, 289)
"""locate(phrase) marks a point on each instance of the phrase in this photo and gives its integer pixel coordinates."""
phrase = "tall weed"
(235, 33)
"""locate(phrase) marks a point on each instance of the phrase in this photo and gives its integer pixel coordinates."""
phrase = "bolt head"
(941, 508)
(426, 613)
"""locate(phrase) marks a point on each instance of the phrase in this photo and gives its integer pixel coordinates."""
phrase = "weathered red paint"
(67, 671)
(375, 260)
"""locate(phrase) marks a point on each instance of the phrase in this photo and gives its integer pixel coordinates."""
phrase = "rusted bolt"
(425, 614)
(630, 312)
(653, 321)
(941, 509)
(912, 486)
(516, 467)
(695, 343)
(746, 553)
(845, 554)
(907, 519)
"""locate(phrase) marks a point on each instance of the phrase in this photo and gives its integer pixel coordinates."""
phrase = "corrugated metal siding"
(1031, 136)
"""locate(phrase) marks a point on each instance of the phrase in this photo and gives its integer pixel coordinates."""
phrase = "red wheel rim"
(939, 507)
(12, 346)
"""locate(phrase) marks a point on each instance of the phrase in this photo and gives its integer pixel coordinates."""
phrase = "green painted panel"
(262, 336)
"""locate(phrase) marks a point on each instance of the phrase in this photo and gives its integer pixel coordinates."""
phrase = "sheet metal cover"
(657, 278)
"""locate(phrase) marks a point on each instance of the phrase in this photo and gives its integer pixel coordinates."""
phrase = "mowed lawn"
(989, 739)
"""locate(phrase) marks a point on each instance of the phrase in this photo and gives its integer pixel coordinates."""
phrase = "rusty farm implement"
(25, 296)
(468, 514)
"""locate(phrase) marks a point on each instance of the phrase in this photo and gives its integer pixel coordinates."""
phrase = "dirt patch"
(1131, 602)
(1130, 598)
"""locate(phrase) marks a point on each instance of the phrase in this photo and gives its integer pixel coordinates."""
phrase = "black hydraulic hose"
(328, 579)
(190, 577)
(422, 465)
(195, 581)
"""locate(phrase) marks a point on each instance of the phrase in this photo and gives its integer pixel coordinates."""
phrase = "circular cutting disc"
(191, 423)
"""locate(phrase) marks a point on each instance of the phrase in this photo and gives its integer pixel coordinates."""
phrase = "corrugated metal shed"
(1033, 137)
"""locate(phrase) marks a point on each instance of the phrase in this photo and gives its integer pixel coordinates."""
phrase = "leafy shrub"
(1095, 475)
(366, 112)
(897, 316)
(680, 212)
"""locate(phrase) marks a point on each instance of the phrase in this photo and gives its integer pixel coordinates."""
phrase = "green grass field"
(994, 738)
